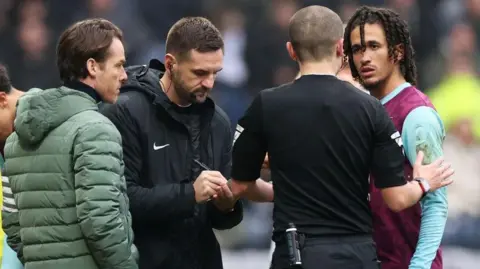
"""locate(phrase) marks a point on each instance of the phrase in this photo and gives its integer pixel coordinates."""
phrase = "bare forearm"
(261, 191)
(402, 197)
(257, 191)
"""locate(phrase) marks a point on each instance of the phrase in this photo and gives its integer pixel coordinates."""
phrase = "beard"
(372, 86)
(186, 94)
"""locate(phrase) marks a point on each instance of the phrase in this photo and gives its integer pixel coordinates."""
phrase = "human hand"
(437, 173)
(207, 185)
(225, 199)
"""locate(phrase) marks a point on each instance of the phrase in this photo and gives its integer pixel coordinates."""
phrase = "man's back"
(320, 149)
(59, 155)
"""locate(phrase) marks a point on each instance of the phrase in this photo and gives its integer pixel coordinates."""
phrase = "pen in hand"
(206, 168)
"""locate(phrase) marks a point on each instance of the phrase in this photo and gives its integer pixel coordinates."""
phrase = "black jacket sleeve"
(158, 203)
(221, 220)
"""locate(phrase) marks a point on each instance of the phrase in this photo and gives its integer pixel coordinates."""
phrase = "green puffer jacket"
(65, 166)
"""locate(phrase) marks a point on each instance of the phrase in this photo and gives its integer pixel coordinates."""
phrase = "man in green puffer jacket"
(64, 161)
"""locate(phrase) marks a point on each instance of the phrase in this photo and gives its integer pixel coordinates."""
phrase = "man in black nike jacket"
(177, 150)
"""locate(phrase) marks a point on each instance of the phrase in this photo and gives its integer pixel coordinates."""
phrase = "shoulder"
(416, 98)
(93, 125)
(275, 91)
(359, 100)
(132, 97)
(221, 120)
(221, 116)
(423, 118)
(129, 102)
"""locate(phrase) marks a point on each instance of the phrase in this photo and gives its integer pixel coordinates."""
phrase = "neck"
(15, 94)
(327, 67)
(166, 84)
(88, 81)
(388, 86)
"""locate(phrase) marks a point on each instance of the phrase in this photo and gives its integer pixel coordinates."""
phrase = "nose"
(123, 77)
(366, 59)
(208, 82)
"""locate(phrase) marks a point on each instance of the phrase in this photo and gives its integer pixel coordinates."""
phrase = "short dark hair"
(193, 33)
(81, 41)
(5, 83)
(314, 31)
(396, 33)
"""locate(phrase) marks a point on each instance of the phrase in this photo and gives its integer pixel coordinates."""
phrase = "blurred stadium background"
(446, 35)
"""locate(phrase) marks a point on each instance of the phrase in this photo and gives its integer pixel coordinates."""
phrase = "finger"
(448, 173)
(444, 167)
(209, 192)
(447, 182)
(213, 186)
(211, 173)
(226, 192)
(220, 181)
(437, 163)
(419, 160)
(219, 194)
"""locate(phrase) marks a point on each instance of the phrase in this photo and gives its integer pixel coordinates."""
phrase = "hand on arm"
(437, 174)
(423, 131)
(387, 167)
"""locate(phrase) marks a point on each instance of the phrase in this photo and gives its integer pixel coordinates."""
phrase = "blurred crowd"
(446, 37)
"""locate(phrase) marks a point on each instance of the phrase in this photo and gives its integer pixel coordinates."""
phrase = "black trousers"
(352, 252)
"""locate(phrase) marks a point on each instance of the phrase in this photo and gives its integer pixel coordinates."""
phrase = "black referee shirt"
(323, 137)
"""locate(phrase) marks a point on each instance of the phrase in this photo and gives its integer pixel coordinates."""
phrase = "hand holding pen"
(223, 197)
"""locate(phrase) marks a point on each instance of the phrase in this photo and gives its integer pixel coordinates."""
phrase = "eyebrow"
(205, 70)
(369, 42)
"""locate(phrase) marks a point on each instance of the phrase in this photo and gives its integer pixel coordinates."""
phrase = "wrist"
(227, 209)
(424, 185)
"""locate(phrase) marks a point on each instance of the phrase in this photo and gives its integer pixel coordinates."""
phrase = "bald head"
(314, 31)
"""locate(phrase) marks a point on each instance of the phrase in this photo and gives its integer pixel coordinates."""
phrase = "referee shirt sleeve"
(388, 158)
(250, 145)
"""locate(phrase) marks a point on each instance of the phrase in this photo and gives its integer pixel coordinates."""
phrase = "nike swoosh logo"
(155, 147)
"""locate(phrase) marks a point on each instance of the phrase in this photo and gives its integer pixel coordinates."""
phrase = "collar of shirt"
(395, 92)
(82, 87)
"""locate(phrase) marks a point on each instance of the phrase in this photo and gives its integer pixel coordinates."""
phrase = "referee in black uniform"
(324, 137)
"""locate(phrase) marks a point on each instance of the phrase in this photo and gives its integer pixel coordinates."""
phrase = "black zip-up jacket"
(159, 146)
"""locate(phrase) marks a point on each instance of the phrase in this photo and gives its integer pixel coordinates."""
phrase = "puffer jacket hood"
(41, 111)
(146, 79)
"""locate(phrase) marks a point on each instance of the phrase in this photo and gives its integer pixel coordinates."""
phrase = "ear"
(339, 48)
(3, 100)
(399, 53)
(291, 51)
(169, 61)
(92, 67)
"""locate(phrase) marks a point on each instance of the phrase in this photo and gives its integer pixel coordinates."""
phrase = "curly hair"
(5, 83)
(396, 33)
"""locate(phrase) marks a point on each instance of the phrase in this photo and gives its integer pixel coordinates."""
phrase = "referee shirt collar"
(395, 92)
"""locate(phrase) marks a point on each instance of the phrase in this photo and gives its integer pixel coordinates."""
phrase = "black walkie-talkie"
(293, 246)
